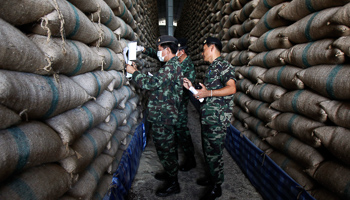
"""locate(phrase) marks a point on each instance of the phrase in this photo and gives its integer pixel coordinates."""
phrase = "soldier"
(165, 95)
(217, 89)
(182, 131)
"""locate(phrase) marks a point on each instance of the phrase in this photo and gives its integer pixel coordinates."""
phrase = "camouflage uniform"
(216, 115)
(182, 131)
(165, 95)
(151, 53)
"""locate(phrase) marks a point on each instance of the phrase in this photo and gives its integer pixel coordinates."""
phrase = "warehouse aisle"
(236, 185)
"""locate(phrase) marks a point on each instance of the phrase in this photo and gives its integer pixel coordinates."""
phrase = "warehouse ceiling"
(178, 4)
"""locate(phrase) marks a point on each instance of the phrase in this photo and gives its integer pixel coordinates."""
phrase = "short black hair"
(219, 48)
(172, 46)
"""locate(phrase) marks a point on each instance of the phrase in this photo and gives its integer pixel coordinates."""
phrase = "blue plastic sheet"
(264, 174)
(129, 163)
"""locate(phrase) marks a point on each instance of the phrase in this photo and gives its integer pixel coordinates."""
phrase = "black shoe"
(170, 187)
(161, 176)
(205, 181)
(188, 165)
(213, 193)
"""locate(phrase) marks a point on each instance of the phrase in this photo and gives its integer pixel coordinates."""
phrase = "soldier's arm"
(150, 82)
(150, 52)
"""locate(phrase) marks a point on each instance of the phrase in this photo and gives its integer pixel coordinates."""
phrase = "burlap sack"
(8, 117)
(71, 58)
(128, 93)
(239, 113)
(261, 110)
(334, 176)
(109, 59)
(305, 155)
(27, 145)
(48, 181)
(247, 26)
(268, 59)
(115, 142)
(18, 53)
(105, 15)
(342, 15)
(328, 80)
(303, 102)
(267, 92)
(238, 125)
(88, 6)
(313, 53)
(343, 44)
(240, 99)
(113, 4)
(67, 21)
(125, 31)
(271, 40)
(243, 58)
(123, 13)
(24, 12)
(73, 123)
(120, 116)
(294, 170)
(233, 19)
(263, 7)
(108, 39)
(88, 147)
(244, 85)
(258, 127)
(315, 27)
(109, 126)
(39, 96)
(94, 82)
(298, 9)
(269, 21)
(338, 112)
(322, 193)
(298, 126)
(103, 187)
(247, 10)
(283, 76)
(336, 140)
(251, 72)
(232, 54)
(88, 180)
(255, 139)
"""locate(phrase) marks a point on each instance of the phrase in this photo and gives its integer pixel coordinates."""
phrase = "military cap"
(182, 43)
(166, 39)
(213, 40)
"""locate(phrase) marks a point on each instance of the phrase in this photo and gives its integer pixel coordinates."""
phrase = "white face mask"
(178, 54)
(160, 57)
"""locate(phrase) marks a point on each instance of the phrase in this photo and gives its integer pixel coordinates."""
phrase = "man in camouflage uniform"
(217, 89)
(183, 134)
(164, 100)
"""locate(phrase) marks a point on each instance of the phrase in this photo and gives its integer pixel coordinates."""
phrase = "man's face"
(206, 52)
(160, 48)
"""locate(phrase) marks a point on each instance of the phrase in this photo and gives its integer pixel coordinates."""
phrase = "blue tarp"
(128, 165)
(267, 177)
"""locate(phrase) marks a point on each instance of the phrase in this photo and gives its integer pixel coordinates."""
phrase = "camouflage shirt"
(218, 110)
(151, 53)
(190, 73)
(166, 91)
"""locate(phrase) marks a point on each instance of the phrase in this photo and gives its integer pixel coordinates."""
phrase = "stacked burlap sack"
(66, 107)
(291, 60)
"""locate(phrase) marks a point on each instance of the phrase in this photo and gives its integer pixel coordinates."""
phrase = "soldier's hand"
(187, 83)
(130, 69)
(202, 93)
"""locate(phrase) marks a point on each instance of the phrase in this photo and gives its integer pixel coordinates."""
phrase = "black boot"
(161, 176)
(205, 181)
(188, 165)
(169, 187)
(213, 193)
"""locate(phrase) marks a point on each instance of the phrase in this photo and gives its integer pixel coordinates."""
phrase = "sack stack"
(67, 110)
(291, 60)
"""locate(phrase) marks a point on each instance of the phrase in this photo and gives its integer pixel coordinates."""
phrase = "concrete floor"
(236, 185)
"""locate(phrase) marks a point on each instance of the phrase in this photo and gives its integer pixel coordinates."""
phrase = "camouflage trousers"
(183, 135)
(164, 139)
(213, 138)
